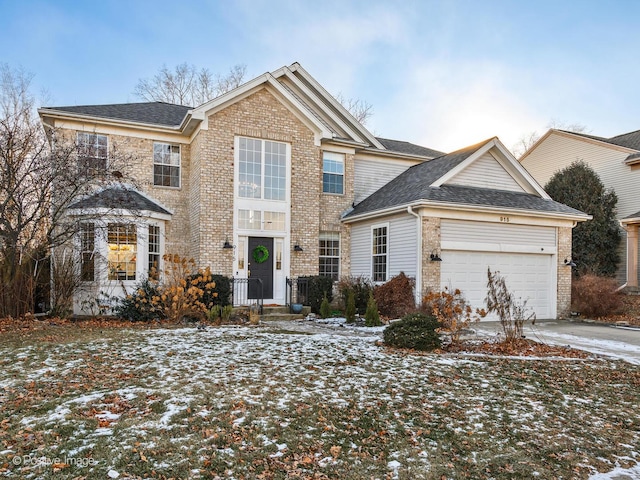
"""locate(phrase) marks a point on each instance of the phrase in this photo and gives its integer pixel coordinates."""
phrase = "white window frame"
(374, 254)
(88, 144)
(338, 158)
(169, 155)
(329, 236)
(263, 171)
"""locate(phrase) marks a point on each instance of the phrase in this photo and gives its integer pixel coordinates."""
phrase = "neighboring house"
(278, 163)
(616, 160)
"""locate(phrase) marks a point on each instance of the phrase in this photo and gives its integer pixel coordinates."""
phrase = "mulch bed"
(520, 348)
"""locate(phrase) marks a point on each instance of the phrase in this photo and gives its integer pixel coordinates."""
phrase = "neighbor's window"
(166, 165)
(379, 261)
(329, 255)
(92, 152)
(87, 246)
(262, 169)
(122, 243)
(332, 172)
(154, 252)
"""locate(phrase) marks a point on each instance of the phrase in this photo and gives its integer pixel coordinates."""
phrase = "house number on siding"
(504, 219)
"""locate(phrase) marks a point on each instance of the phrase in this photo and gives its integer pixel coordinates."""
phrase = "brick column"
(563, 304)
(430, 241)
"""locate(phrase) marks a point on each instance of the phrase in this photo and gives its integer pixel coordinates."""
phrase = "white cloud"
(447, 107)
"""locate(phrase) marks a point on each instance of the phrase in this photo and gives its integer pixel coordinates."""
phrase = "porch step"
(282, 312)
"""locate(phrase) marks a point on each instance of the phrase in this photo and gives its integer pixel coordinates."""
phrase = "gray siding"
(370, 175)
(486, 172)
(402, 248)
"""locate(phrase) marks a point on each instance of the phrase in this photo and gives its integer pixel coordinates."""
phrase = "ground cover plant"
(255, 402)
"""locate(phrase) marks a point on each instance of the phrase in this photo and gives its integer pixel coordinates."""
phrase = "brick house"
(275, 179)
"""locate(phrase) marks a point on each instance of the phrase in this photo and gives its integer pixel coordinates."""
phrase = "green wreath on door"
(260, 254)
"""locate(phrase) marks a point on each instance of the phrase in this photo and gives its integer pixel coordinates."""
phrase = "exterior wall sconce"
(227, 244)
(434, 256)
(569, 262)
(297, 248)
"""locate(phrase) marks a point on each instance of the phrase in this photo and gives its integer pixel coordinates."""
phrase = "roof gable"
(433, 182)
(486, 172)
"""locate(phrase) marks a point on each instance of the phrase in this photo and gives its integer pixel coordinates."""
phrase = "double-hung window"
(380, 244)
(329, 265)
(87, 252)
(333, 172)
(92, 152)
(154, 252)
(166, 165)
(262, 169)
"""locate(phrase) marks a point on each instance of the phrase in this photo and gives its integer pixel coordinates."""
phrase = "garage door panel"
(528, 276)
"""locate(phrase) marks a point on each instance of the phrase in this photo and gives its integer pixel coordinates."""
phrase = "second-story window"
(262, 169)
(333, 172)
(166, 165)
(92, 152)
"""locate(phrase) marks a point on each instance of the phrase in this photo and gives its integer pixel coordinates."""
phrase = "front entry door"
(263, 270)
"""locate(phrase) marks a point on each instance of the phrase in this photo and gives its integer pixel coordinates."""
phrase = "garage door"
(529, 276)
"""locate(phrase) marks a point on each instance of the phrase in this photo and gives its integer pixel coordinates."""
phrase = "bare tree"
(360, 109)
(41, 175)
(188, 85)
(527, 140)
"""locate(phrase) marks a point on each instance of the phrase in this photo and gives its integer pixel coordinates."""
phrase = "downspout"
(418, 291)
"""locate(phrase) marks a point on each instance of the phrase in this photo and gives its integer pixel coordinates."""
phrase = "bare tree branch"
(360, 109)
(527, 140)
(186, 85)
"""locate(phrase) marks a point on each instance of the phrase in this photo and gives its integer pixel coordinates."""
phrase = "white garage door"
(529, 276)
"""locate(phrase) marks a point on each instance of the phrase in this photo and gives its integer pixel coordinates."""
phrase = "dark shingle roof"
(629, 140)
(119, 198)
(157, 113)
(414, 185)
(409, 148)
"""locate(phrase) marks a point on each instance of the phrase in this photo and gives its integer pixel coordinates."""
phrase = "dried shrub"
(452, 310)
(361, 287)
(417, 331)
(511, 312)
(142, 305)
(595, 296)
(396, 297)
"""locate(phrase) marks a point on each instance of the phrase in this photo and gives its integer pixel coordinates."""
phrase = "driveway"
(611, 341)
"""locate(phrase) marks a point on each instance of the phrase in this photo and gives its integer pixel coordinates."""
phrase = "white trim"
(386, 254)
(527, 182)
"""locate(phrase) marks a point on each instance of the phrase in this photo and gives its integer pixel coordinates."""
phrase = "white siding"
(371, 174)
(486, 172)
(540, 238)
(558, 151)
(361, 250)
(402, 247)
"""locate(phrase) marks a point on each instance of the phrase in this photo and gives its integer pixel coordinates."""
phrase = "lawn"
(256, 402)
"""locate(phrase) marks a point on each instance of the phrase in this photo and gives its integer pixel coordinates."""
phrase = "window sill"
(164, 187)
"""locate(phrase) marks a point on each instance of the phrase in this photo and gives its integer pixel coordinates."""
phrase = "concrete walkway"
(611, 341)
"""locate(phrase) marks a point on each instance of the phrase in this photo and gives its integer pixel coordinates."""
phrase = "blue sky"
(443, 74)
